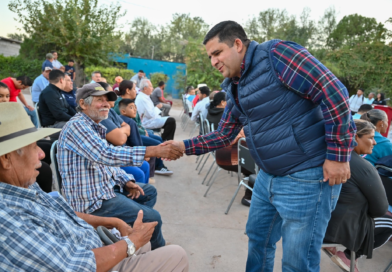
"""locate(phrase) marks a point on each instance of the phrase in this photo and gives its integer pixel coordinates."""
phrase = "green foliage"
(17, 66)
(180, 79)
(110, 73)
(77, 29)
(157, 77)
(354, 29)
(199, 69)
(364, 65)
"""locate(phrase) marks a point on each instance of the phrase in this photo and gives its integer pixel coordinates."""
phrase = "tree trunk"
(80, 76)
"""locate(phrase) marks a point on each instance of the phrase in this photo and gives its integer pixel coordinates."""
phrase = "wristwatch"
(131, 247)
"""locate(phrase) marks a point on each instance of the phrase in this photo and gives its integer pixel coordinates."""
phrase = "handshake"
(169, 150)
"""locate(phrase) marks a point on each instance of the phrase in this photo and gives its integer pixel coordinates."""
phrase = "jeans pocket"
(335, 192)
(313, 175)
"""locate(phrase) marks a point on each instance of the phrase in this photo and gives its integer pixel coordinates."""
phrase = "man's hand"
(159, 106)
(336, 172)
(142, 232)
(123, 228)
(167, 150)
(147, 133)
(133, 189)
(30, 107)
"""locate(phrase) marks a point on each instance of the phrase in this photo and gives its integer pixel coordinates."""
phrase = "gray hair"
(374, 116)
(20, 151)
(144, 83)
(88, 100)
(96, 72)
(364, 127)
(49, 56)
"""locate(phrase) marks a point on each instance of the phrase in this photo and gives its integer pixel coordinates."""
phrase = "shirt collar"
(19, 192)
(237, 79)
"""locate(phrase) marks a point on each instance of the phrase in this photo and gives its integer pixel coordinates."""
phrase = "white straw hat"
(16, 128)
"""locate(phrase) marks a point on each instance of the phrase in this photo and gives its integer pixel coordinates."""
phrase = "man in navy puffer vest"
(298, 126)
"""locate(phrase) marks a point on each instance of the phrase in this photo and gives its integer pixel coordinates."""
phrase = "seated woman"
(384, 147)
(380, 100)
(359, 221)
(227, 158)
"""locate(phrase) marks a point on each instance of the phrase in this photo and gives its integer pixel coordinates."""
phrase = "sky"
(212, 11)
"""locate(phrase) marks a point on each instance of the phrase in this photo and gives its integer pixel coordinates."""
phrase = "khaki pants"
(165, 109)
(167, 258)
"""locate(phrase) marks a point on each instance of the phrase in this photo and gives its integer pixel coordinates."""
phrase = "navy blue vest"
(284, 131)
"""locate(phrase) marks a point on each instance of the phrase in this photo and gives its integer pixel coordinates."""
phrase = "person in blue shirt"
(364, 108)
(48, 61)
(384, 147)
(69, 92)
(40, 83)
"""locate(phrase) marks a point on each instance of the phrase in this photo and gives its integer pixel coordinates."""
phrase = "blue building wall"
(155, 66)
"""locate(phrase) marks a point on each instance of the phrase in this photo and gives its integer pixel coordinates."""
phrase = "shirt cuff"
(339, 154)
(188, 147)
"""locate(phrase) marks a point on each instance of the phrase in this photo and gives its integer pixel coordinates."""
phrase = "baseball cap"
(48, 68)
(94, 89)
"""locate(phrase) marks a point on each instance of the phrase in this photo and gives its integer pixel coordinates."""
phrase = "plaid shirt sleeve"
(228, 129)
(305, 75)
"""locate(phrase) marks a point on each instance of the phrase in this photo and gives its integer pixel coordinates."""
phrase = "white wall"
(8, 48)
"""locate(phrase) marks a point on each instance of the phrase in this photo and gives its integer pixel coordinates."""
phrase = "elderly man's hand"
(133, 189)
(159, 105)
(336, 172)
(170, 150)
(142, 232)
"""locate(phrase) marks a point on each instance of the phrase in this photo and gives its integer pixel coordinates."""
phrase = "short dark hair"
(189, 88)
(53, 51)
(141, 71)
(161, 83)
(25, 80)
(124, 85)
(227, 32)
(365, 108)
(205, 90)
(124, 103)
(360, 89)
(71, 60)
(55, 76)
(3, 85)
(96, 72)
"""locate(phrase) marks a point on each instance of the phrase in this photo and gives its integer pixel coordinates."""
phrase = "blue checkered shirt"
(90, 166)
(42, 233)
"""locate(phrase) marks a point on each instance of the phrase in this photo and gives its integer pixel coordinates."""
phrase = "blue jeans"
(153, 140)
(127, 209)
(296, 207)
(33, 116)
(141, 173)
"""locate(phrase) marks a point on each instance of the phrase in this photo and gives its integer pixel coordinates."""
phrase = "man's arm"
(23, 100)
(119, 136)
(306, 76)
(52, 101)
(195, 113)
(227, 130)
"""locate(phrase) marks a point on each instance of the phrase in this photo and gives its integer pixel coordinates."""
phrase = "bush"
(15, 66)
(157, 77)
(110, 73)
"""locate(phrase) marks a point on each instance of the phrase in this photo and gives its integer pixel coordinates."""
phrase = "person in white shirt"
(96, 76)
(370, 99)
(56, 64)
(356, 101)
(150, 115)
(201, 106)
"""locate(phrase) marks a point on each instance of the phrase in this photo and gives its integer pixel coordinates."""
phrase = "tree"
(78, 29)
(354, 29)
(326, 25)
(16, 36)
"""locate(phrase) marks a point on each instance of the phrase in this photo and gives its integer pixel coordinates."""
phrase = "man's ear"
(239, 45)
(82, 105)
(5, 161)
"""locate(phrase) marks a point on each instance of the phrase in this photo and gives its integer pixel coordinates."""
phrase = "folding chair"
(387, 182)
(246, 161)
(36, 107)
(201, 123)
(53, 152)
(352, 256)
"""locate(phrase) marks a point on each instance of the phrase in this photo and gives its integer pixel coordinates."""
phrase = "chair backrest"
(387, 182)
(201, 122)
(36, 107)
(245, 159)
(206, 126)
(53, 157)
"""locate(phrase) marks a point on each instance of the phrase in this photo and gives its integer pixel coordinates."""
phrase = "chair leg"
(212, 182)
(352, 261)
(234, 196)
(201, 159)
(209, 170)
(204, 163)
(213, 174)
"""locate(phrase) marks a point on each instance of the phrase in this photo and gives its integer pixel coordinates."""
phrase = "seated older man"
(40, 232)
(150, 115)
(90, 167)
